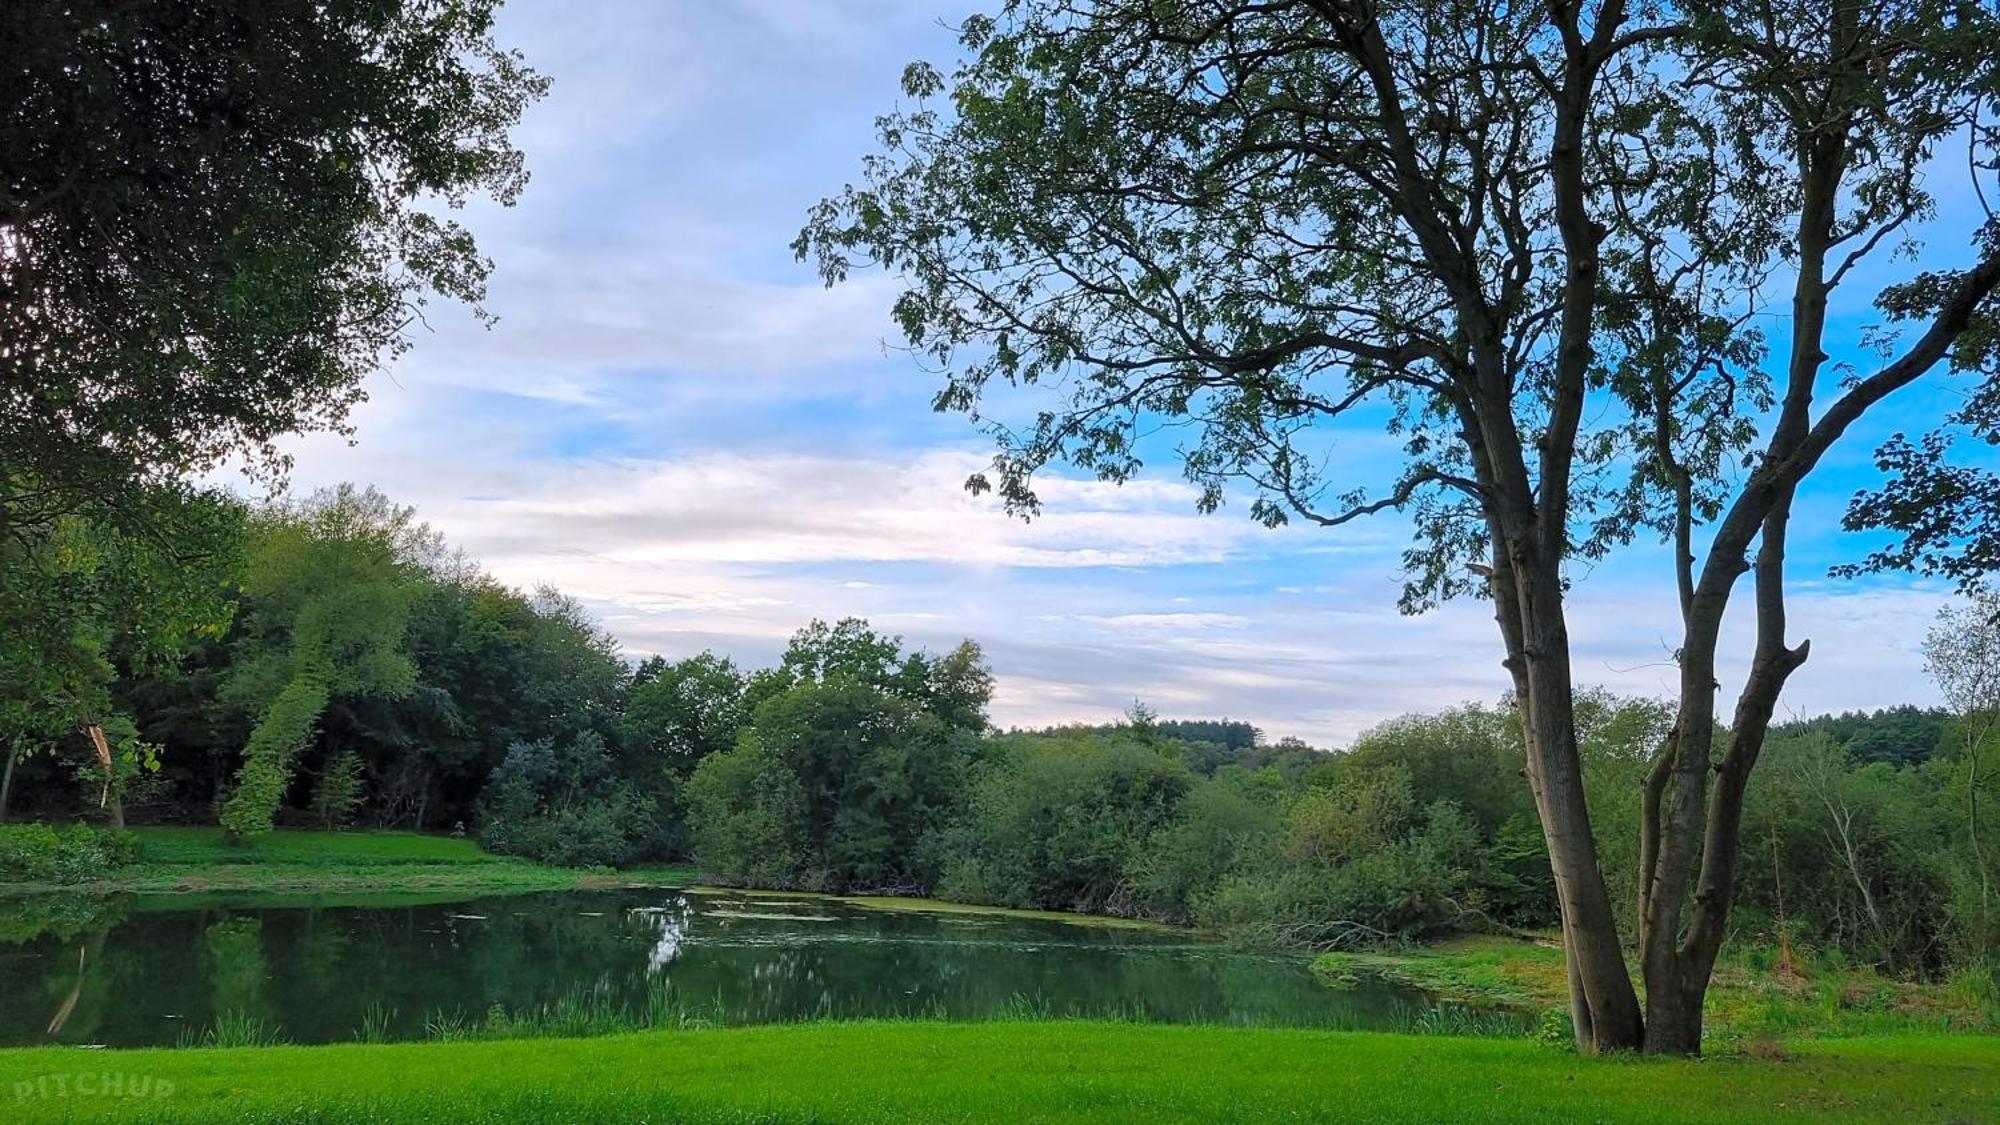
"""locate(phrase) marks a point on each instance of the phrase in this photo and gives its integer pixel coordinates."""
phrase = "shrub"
(1358, 865)
(338, 791)
(1061, 823)
(564, 805)
(73, 853)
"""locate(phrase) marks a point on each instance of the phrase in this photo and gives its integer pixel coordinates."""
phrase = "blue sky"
(676, 423)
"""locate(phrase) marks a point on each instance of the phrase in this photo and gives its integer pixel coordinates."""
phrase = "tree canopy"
(216, 216)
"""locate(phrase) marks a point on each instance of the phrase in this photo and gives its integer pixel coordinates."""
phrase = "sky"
(676, 423)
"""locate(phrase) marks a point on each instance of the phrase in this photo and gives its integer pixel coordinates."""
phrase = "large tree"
(216, 216)
(1535, 243)
(82, 597)
(329, 587)
(1962, 653)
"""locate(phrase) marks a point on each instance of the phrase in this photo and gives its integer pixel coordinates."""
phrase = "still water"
(129, 973)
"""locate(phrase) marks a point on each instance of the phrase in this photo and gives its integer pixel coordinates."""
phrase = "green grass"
(1063, 1071)
(175, 860)
(296, 846)
(1748, 1000)
(1471, 969)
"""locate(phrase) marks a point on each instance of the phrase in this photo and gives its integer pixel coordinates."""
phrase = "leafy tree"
(219, 215)
(1357, 862)
(955, 686)
(1059, 822)
(1233, 736)
(862, 776)
(674, 716)
(854, 757)
(330, 584)
(1532, 242)
(86, 594)
(1227, 823)
(337, 792)
(564, 803)
(494, 666)
(1468, 755)
(744, 809)
(1962, 652)
(1865, 856)
(1905, 734)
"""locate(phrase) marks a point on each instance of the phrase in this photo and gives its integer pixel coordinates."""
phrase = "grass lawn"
(1749, 998)
(178, 845)
(199, 860)
(1062, 1071)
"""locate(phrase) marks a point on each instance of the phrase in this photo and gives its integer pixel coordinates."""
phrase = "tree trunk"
(1973, 780)
(1693, 832)
(7, 778)
(1590, 929)
(1528, 605)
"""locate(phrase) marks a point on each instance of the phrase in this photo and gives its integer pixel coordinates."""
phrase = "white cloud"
(778, 509)
(644, 289)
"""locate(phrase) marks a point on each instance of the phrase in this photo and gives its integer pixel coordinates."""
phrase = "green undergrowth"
(1752, 1002)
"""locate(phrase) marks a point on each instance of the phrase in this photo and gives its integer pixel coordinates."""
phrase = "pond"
(166, 971)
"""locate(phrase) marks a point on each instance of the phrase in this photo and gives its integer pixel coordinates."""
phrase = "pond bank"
(945, 906)
(198, 860)
(1751, 997)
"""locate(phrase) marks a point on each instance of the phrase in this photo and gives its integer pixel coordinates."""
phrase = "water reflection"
(151, 973)
(671, 923)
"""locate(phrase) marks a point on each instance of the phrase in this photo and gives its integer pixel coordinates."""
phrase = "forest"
(334, 663)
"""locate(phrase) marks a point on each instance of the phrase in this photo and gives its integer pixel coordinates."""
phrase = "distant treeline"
(367, 675)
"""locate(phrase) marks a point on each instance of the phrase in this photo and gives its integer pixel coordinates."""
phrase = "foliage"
(674, 716)
(1364, 866)
(743, 810)
(330, 587)
(337, 792)
(1962, 653)
(74, 853)
(564, 804)
(218, 217)
(87, 593)
(1905, 734)
(1225, 824)
(1058, 822)
(855, 755)
(493, 666)
(274, 746)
